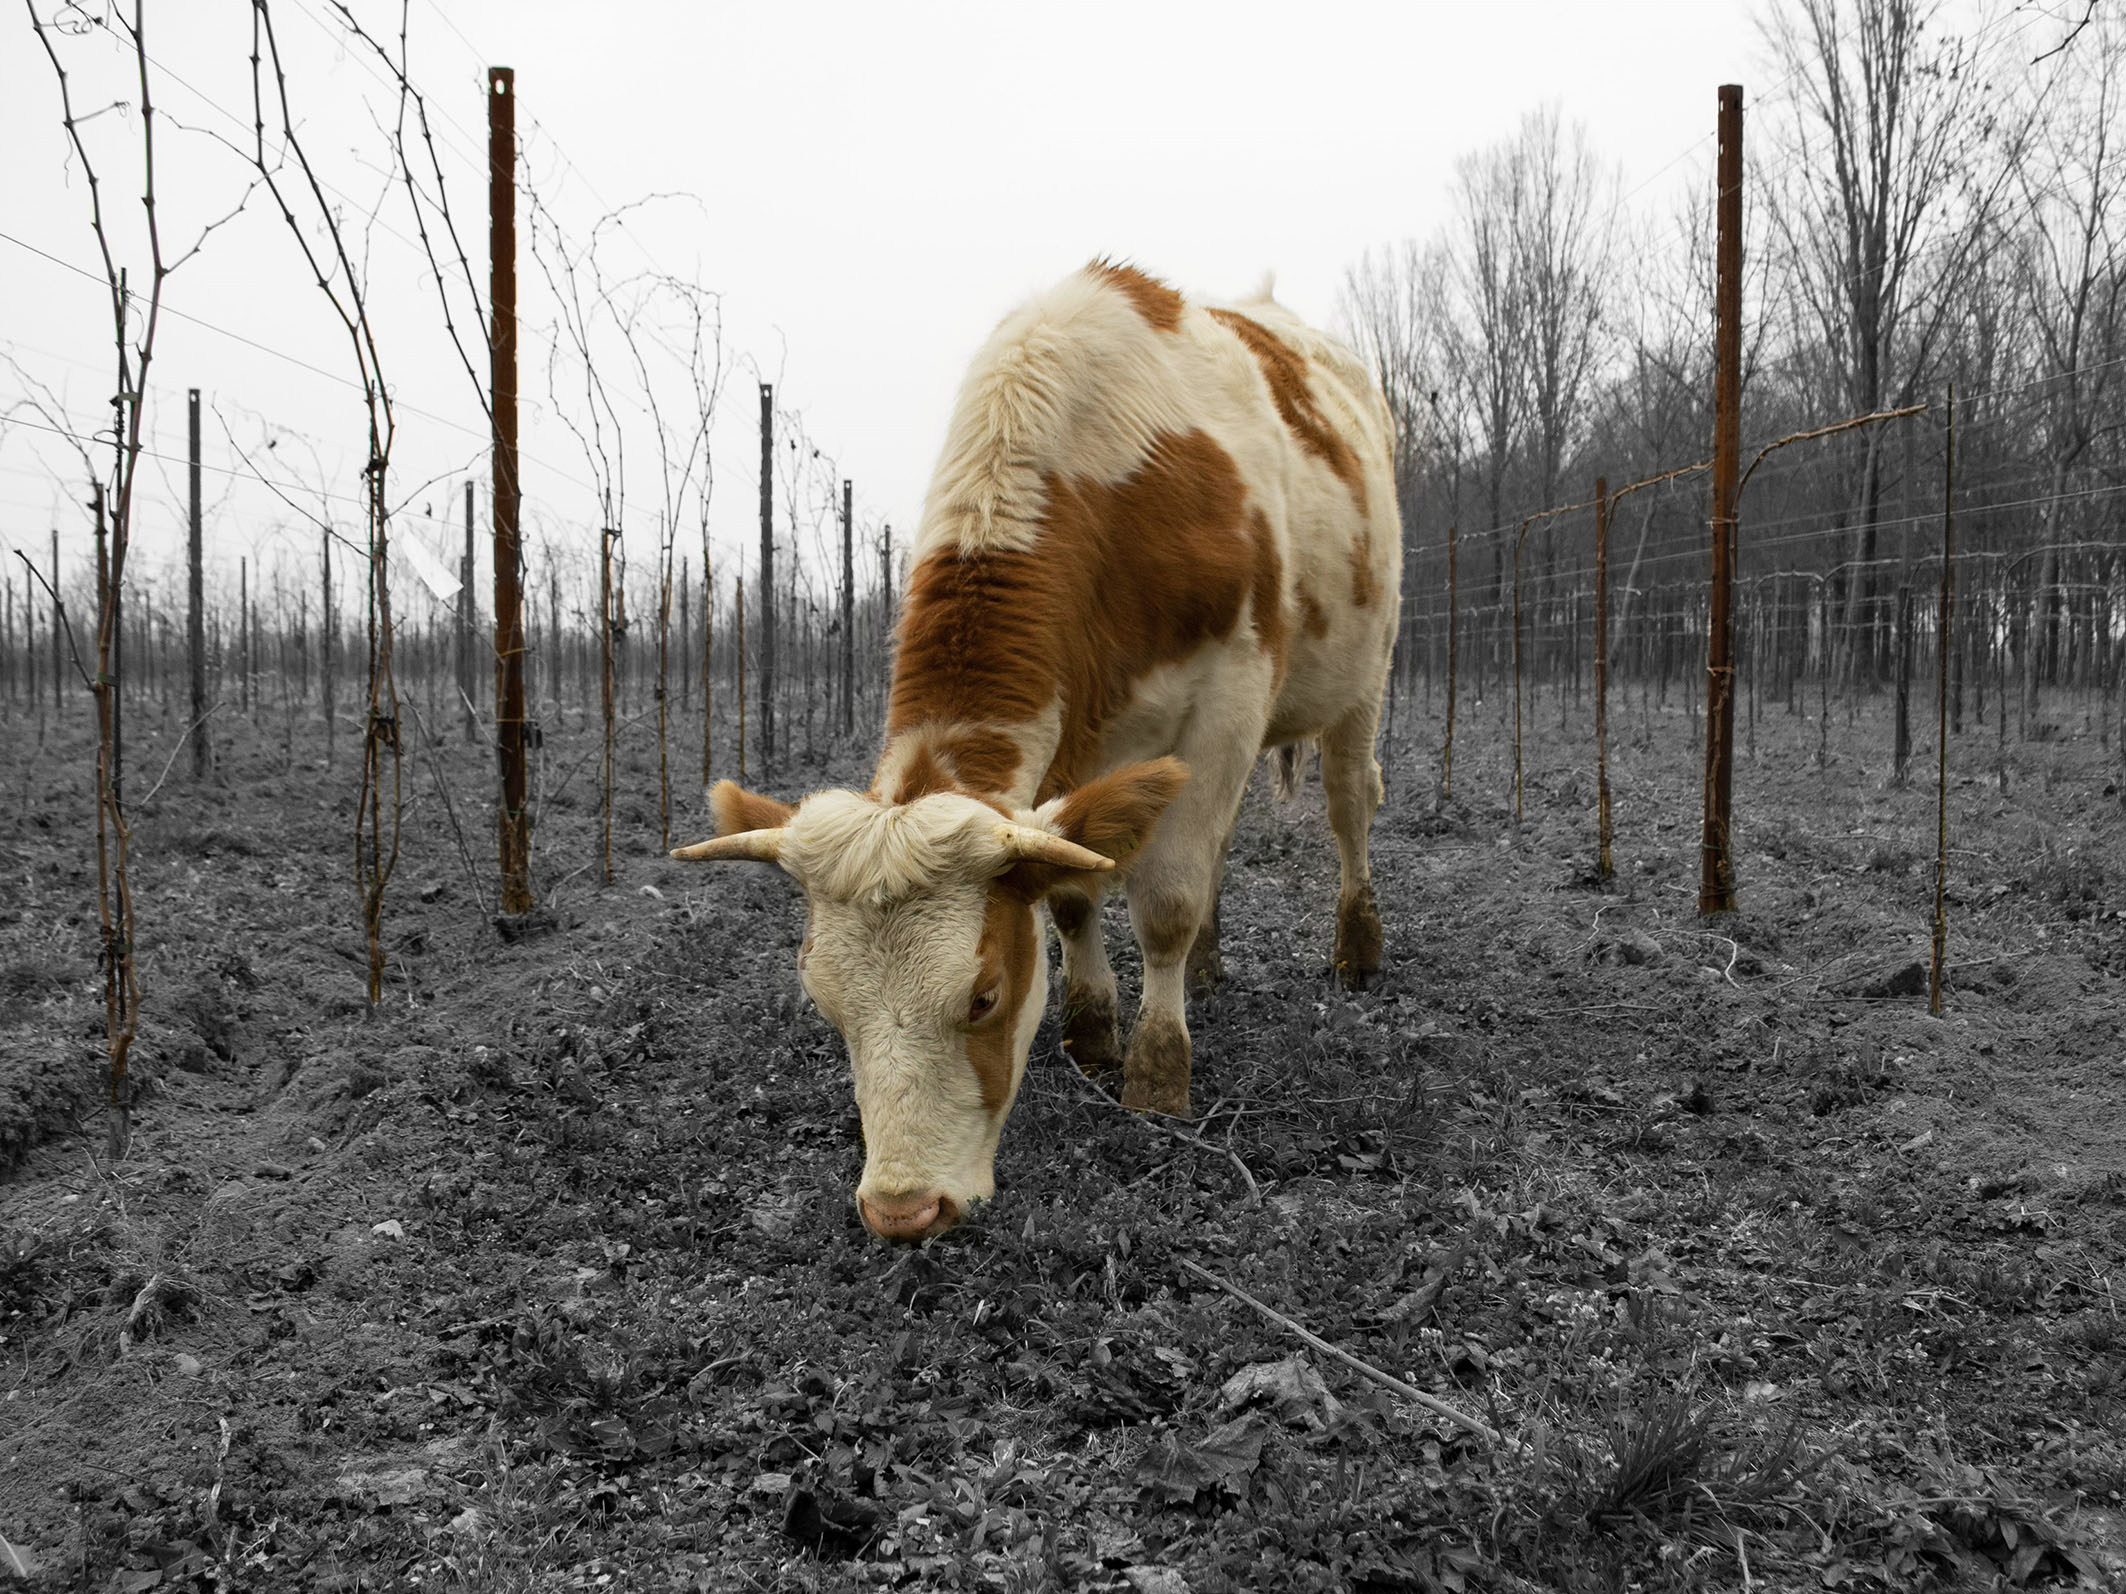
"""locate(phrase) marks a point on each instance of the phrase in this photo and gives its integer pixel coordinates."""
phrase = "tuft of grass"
(1654, 1478)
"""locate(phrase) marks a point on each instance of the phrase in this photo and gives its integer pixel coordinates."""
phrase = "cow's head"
(923, 948)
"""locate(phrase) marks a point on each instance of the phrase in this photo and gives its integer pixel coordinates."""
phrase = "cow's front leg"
(1175, 880)
(1155, 1075)
(1091, 1033)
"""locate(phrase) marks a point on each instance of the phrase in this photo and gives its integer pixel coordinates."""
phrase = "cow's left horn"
(1045, 846)
(763, 846)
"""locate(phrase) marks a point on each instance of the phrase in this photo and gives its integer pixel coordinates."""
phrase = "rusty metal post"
(848, 612)
(515, 815)
(1716, 883)
(764, 590)
(1603, 828)
(196, 597)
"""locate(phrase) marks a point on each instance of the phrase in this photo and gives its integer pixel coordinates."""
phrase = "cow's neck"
(1007, 764)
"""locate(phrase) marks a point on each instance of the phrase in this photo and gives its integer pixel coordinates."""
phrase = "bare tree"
(1897, 159)
(1563, 252)
(2070, 285)
(1392, 308)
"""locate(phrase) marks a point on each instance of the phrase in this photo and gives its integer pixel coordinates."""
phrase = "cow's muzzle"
(909, 1219)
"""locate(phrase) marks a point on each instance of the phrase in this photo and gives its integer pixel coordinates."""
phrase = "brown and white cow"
(1162, 537)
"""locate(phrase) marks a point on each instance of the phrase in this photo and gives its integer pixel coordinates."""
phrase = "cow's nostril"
(906, 1218)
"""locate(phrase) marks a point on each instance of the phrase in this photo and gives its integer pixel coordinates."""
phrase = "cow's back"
(1142, 501)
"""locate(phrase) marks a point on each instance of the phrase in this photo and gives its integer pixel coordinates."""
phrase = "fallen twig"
(1409, 1392)
(1413, 1306)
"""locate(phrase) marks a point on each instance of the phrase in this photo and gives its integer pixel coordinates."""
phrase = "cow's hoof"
(1091, 1036)
(1206, 964)
(1358, 939)
(1156, 1076)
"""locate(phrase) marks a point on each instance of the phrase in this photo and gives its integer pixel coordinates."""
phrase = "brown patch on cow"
(1154, 300)
(738, 810)
(1285, 369)
(921, 776)
(1007, 951)
(1121, 580)
(1364, 588)
(1314, 619)
(1155, 1075)
(984, 760)
(1266, 591)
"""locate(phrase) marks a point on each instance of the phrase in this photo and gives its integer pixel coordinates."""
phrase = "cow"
(1161, 537)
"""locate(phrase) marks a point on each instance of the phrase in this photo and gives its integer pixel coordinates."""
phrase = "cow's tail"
(1287, 764)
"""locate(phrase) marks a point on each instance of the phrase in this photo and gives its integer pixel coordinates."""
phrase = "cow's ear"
(1112, 816)
(738, 810)
(748, 825)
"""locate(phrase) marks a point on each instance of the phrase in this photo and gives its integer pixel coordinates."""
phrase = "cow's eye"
(984, 1003)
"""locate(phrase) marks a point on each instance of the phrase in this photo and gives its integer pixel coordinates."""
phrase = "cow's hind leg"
(1090, 1015)
(1206, 957)
(1350, 775)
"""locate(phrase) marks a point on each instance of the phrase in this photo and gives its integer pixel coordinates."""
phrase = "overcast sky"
(870, 186)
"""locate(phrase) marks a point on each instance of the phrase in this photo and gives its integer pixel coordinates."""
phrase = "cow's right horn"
(761, 846)
(1045, 846)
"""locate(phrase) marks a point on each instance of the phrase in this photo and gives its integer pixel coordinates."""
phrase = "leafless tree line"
(1924, 209)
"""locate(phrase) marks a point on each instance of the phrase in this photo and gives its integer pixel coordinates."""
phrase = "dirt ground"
(544, 1274)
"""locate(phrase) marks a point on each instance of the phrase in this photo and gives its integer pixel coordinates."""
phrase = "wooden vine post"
(514, 817)
(848, 613)
(1716, 885)
(766, 590)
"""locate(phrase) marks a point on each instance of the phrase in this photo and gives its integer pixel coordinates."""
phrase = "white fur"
(1070, 381)
(897, 895)
(848, 847)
